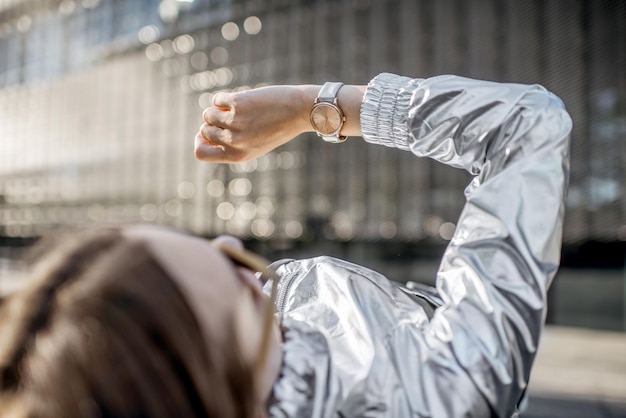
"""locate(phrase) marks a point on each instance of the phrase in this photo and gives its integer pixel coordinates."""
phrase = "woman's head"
(131, 322)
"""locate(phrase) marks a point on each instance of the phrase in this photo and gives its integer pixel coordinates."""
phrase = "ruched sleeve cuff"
(385, 108)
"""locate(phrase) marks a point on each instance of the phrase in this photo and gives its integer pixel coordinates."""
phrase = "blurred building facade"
(100, 101)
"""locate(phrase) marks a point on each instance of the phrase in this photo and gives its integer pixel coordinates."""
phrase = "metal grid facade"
(100, 101)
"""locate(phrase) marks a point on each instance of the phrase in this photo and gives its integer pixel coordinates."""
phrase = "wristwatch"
(326, 116)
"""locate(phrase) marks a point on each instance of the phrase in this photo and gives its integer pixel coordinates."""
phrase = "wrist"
(308, 94)
(349, 99)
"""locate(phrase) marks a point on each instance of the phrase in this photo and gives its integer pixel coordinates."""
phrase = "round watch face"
(326, 119)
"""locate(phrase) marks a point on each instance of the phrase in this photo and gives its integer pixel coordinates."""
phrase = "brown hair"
(103, 331)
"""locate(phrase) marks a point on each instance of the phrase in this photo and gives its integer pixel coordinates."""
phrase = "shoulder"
(325, 266)
(319, 277)
(320, 288)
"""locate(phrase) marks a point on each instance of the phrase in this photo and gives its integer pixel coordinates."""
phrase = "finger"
(218, 154)
(217, 148)
(214, 135)
(205, 151)
(216, 116)
(229, 241)
(223, 100)
(208, 151)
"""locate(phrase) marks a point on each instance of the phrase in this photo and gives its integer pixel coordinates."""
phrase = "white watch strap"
(328, 92)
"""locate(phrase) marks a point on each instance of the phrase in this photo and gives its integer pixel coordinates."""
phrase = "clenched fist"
(245, 125)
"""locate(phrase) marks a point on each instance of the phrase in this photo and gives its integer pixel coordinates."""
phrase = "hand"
(245, 125)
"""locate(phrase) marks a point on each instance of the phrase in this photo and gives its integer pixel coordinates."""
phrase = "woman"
(353, 343)
(124, 323)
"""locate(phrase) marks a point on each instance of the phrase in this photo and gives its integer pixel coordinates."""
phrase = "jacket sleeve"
(495, 273)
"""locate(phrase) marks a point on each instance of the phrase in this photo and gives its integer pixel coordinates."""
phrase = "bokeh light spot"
(184, 44)
(225, 210)
(154, 52)
(148, 34)
(215, 188)
(199, 60)
(252, 25)
(230, 31)
(219, 55)
(186, 190)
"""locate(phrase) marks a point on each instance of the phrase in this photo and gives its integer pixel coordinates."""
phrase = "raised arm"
(506, 249)
(245, 125)
(505, 252)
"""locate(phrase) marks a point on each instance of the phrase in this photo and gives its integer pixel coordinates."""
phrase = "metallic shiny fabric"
(359, 345)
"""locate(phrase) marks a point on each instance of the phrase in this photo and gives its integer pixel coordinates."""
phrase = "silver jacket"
(357, 345)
